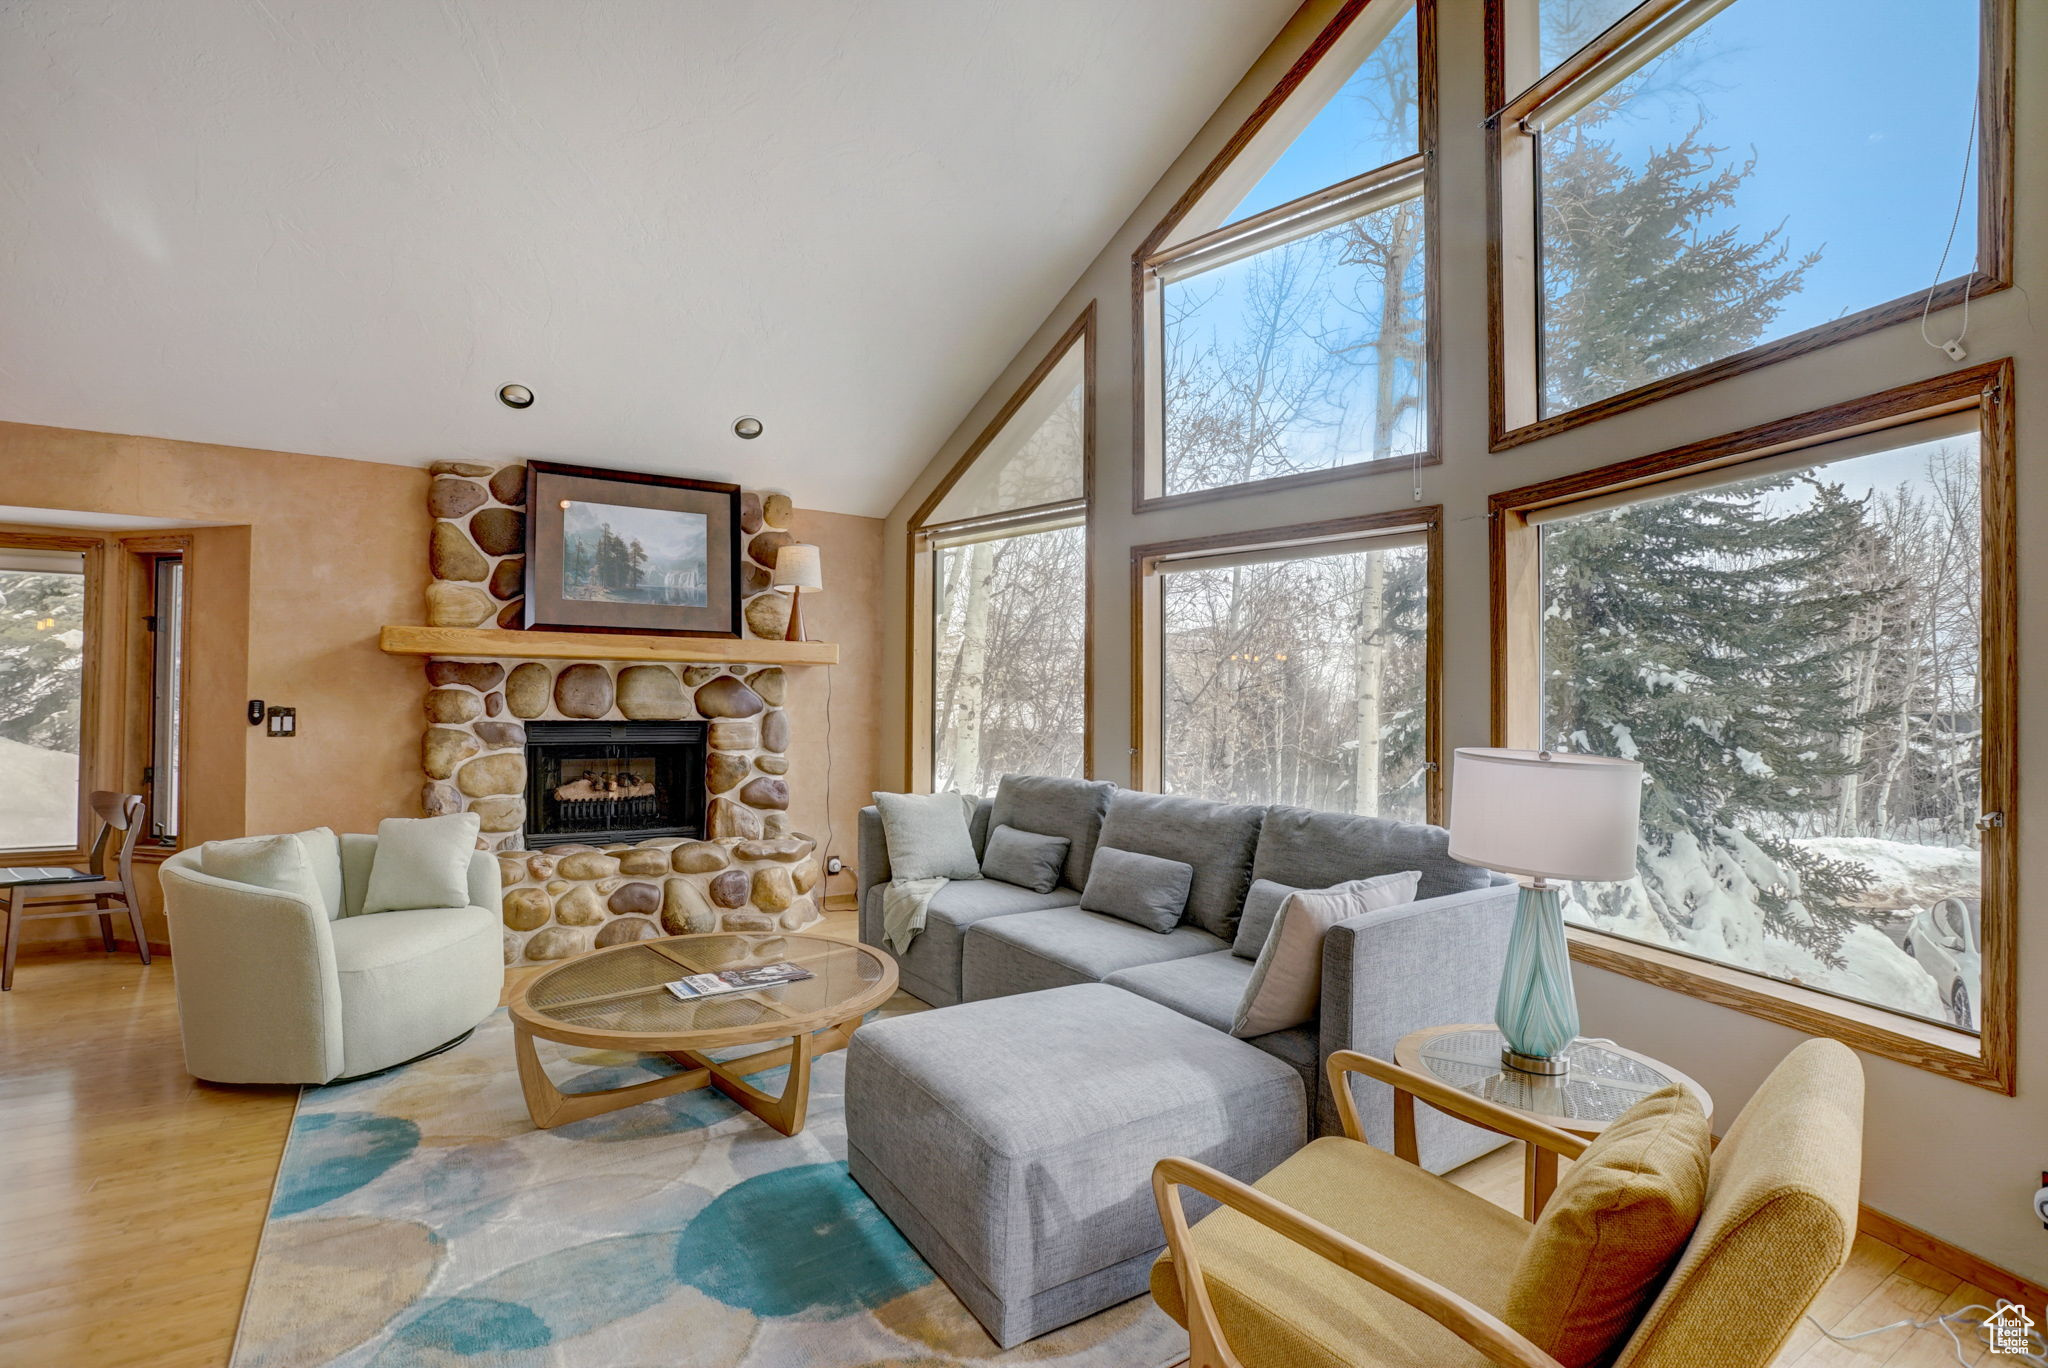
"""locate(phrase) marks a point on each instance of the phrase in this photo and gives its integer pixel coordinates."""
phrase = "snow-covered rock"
(1903, 876)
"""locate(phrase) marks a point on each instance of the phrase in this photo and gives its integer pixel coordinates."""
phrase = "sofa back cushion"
(1071, 808)
(1216, 838)
(1322, 849)
(279, 864)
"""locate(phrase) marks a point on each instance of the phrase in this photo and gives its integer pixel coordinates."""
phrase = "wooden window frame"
(1147, 338)
(921, 538)
(139, 720)
(1986, 1060)
(1513, 319)
(1148, 674)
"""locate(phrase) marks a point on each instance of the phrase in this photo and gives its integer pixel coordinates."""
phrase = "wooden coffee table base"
(549, 1106)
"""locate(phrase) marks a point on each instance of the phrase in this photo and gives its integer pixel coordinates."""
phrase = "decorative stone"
(699, 857)
(508, 578)
(590, 865)
(693, 675)
(494, 703)
(776, 509)
(438, 800)
(651, 691)
(727, 697)
(730, 819)
(753, 579)
(800, 916)
(748, 921)
(449, 497)
(775, 731)
(583, 690)
(773, 889)
(527, 909)
(775, 824)
(733, 734)
(457, 605)
(786, 851)
(582, 905)
(468, 469)
(542, 866)
(498, 531)
(470, 674)
(512, 943)
(765, 793)
(684, 909)
(553, 943)
(508, 486)
(805, 874)
(625, 930)
(772, 764)
(762, 548)
(767, 615)
(724, 770)
(504, 772)
(512, 615)
(557, 887)
(771, 684)
(499, 735)
(608, 886)
(730, 888)
(452, 705)
(443, 748)
(500, 813)
(644, 862)
(569, 848)
(527, 690)
(635, 899)
(750, 512)
(451, 556)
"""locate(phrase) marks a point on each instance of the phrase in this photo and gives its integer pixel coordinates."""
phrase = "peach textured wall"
(334, 550)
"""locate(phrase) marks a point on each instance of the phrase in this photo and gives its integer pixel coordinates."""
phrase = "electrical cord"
(1953, 348)
(2035, 1354)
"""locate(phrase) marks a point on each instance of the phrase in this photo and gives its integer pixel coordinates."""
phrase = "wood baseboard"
(1941, 1254)
(841, 902)
(86, 945)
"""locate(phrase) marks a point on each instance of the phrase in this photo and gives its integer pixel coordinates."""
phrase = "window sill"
(1921, 1044)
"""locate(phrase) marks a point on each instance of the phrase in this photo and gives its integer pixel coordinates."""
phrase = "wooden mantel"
(498, 643)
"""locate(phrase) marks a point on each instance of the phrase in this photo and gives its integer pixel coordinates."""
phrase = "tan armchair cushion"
(1620, 1218)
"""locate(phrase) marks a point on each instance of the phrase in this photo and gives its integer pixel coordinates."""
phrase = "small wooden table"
(1605, 1080)
(614, 999)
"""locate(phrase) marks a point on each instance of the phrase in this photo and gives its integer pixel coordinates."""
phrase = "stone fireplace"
(624, 799)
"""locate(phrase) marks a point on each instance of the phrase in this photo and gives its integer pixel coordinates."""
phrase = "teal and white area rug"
(420, 1221)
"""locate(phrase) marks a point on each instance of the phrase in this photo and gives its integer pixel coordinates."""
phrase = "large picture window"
(43, 630)
(1686, 190)
(1285, 311)
(1805, 650)
(1294, 666)
(1000, 576)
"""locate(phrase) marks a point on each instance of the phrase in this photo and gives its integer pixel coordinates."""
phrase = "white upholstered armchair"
(279, 988)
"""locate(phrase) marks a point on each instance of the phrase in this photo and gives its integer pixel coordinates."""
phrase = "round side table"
(1604, 1081)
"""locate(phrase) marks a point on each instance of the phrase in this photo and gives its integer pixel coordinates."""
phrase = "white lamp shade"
(796, 567)
(1546, 816)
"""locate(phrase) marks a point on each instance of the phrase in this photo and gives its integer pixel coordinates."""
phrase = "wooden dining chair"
(21, 885)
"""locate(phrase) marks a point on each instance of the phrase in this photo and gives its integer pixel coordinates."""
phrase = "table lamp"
(1545, 817)
(796, 569)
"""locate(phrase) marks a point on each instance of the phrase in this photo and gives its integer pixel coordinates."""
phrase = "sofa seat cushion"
(1279, 1303)
(933, 960)
(1208, 988)
(1049, 806)
(1035, 950)
(1013, 1140)
(412, 980)
(1307, 849)
(1216, 838)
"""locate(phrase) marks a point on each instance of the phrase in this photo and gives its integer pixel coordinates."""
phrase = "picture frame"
(620, 551)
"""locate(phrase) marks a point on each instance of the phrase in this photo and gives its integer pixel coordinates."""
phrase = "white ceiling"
(339, 228)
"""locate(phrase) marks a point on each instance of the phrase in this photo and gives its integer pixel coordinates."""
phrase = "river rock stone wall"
(753, 874)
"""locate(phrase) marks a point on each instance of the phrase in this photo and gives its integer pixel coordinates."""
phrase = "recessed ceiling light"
(515, 396)
(746, 429)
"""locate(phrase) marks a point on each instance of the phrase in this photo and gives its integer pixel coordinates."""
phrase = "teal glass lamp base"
(1538, 1014)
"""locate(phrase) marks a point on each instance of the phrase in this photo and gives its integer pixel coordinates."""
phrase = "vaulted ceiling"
(339, 228)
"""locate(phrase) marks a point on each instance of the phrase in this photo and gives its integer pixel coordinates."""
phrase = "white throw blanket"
(904, 902)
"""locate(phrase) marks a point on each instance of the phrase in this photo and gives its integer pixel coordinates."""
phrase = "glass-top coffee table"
(614, 999)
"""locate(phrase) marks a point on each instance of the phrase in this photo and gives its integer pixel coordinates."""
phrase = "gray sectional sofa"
(1431, 962)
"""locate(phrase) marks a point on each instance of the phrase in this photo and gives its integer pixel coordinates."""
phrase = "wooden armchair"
(120, 815)
(1347, 1256)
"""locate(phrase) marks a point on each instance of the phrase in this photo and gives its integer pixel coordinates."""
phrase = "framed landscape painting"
(615, 551)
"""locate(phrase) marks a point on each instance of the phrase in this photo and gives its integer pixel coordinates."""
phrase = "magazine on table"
(738, 980)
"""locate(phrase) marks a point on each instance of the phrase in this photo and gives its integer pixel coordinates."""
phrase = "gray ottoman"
(1012, 1140)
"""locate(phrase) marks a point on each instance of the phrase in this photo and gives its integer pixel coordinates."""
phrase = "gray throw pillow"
(1025, 858)
(927, 835)
(1141, 889)
(1261, 909)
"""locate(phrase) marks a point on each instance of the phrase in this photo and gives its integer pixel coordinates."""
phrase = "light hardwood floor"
(134, 1195)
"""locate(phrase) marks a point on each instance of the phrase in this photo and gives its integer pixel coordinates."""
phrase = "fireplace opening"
(597, 782)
